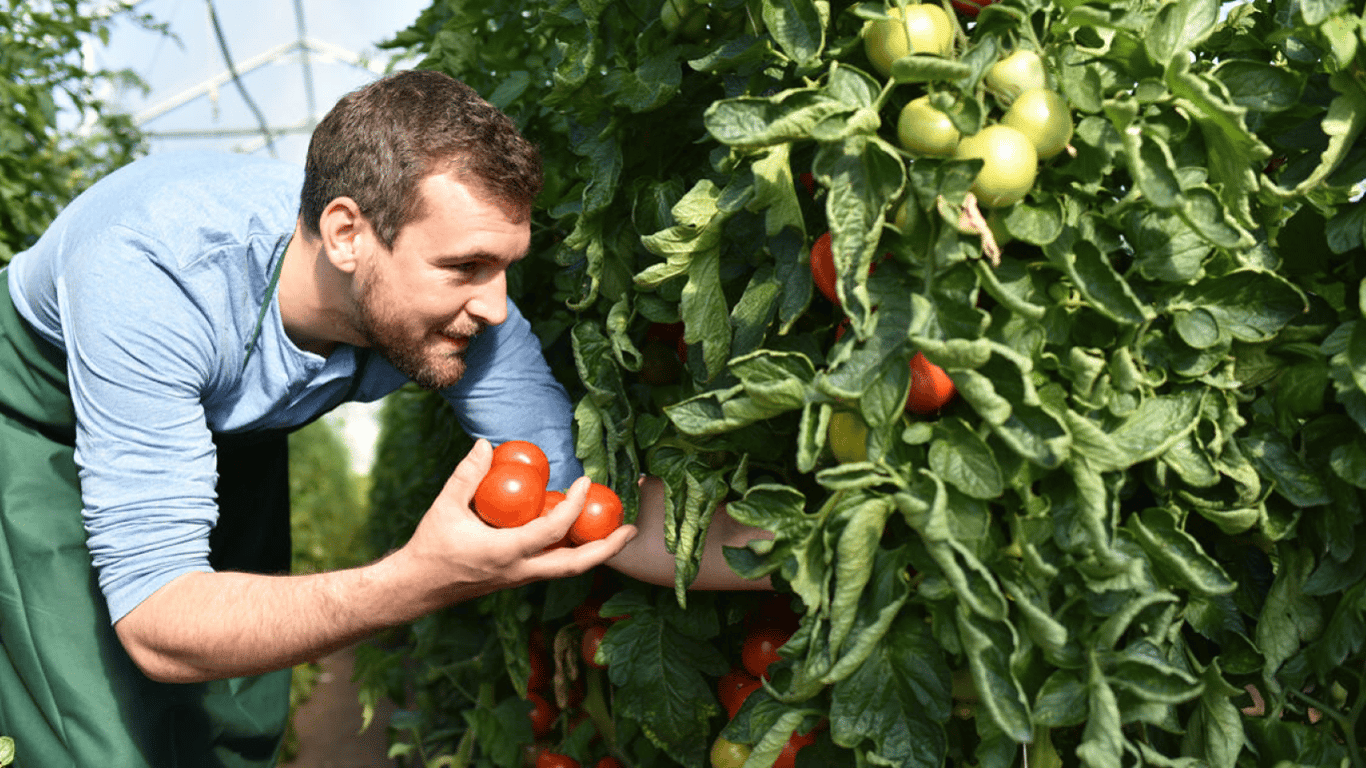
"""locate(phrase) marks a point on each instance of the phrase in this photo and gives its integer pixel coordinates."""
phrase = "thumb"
(460, 486)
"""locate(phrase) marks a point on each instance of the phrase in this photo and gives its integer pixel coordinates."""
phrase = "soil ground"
(328, 724)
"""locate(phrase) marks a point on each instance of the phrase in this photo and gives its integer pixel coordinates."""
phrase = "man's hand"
(205, 626)
(465, 557)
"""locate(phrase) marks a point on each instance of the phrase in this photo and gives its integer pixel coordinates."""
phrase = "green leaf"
(896, 699)
(1288, 617)
(989, 646)
(1215, 731)
(501, 730)
(1179, 27)
(854, 555)
(1062, 701)
(1102, 744)
(924, 68)
(661, 662)
(798, 26)
(1258, 86)
(1092, 273)
(759, 122)
(1276, 460)
(962, 458)
(1179, 554)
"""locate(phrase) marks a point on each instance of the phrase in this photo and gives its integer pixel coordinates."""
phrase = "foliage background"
(1146, 500)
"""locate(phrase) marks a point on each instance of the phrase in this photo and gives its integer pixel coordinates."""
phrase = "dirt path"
(327, 724)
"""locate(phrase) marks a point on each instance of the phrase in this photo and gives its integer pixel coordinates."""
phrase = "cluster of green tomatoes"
(1036, 123)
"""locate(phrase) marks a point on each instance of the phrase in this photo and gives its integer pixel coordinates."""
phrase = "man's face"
(444, 281)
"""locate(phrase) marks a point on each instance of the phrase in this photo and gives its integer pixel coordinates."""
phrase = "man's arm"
(205, 626)
(645, 557)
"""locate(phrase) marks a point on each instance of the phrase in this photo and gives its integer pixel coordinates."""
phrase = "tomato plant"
(848, 437)
(1018, 72)
(592, 638)
(823, 268)
(924, 28)
(510, 495)
(1143, 497)
(543, 714)
(548, 759)
(931, 387)
(1009, 164)
(728, 754)
(1042, 116)
(524, 452)
(602, 514)
(760, 649)
(734, 687)
(923, 129)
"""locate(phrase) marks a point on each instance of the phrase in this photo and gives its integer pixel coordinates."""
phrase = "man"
(157, 344)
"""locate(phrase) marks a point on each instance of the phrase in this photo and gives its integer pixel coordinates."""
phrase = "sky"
(192, 96)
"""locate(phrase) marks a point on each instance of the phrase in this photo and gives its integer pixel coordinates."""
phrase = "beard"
(412, 357)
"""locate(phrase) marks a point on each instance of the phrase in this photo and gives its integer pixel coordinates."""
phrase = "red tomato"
(823, 268)
(787, 758)
(551, 499)
(931, 387)
(808, 181)
(592, 638)
(734, 687)
(609, 762)
(548, 759)
(602, 514)
(970, 7)
(543, 714)
(761, 649)
(511, 494)
(539, 679)
(524, 452)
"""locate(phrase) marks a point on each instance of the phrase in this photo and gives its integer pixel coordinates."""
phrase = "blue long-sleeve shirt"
(153, 281)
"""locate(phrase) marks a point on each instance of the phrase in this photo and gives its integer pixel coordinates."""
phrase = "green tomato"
(1043, 116)
(925, 29)
(728, 754)
(1019, 72)
(924, 130)
(1009, 164)
(684, 17)
(848, 437)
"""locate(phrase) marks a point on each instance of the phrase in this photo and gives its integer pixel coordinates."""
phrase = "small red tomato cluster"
(770, 627)
(558, 687)
(514, 493)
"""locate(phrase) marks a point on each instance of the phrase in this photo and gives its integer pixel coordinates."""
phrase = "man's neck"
(312, 297)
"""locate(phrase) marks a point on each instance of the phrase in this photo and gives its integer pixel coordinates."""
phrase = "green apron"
(69, 694)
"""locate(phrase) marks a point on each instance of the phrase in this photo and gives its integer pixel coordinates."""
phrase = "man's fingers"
(572, 560)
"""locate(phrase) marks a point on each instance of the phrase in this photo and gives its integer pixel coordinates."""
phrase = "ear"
(346, 234)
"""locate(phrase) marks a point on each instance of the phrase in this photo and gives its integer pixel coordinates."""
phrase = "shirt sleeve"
(140, 354)
(509, 393)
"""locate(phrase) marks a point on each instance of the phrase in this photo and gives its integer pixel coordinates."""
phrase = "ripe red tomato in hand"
(592, 638)
(543, 715)
(734, 687)
(524, 452)
(511, 494)
(760, 649)
(823, 268)
(602, 513)
(548, 759)
(931, 387)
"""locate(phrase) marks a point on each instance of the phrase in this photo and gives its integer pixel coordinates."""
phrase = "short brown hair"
(380, 140)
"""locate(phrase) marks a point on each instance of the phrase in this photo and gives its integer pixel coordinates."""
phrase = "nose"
(489, 303)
